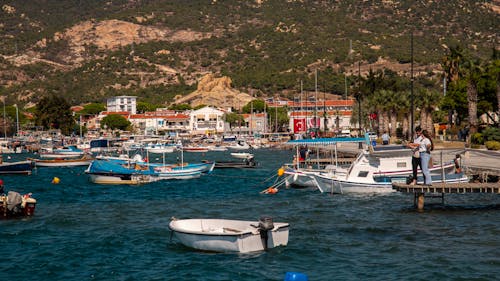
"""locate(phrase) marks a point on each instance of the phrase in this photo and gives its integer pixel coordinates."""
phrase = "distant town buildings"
(122, 104)
(304, 117)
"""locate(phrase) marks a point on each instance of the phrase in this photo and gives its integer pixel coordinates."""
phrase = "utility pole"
(315, 101)
(359, 100)
(17, 119)
(412, 98)
(4, 124)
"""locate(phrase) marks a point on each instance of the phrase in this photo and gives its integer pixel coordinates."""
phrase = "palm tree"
(451, 64)
(472, 73)
(428, 100)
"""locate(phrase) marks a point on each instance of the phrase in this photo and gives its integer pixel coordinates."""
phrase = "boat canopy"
(324, 141)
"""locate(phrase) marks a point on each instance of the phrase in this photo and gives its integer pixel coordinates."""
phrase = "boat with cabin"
(375, 169)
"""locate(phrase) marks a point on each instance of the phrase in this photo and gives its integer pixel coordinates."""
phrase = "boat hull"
(21, 167)
(119, 179)
(329, 184)
(217, 235)
(62, 163)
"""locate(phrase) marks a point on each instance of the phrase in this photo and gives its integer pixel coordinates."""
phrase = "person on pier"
(415, 158)
(426, 146)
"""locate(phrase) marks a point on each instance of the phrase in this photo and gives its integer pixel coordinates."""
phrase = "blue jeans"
(424, 158)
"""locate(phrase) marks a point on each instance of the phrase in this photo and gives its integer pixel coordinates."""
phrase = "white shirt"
(418, 140)
(423, 145)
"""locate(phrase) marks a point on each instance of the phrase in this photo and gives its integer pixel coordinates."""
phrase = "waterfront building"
(157, 122)
(122, 103)
(206, 120)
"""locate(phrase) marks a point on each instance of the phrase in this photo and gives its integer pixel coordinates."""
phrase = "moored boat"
(63, 152)
(195, 148)
(19, 167)
(84, 161)
(375, 170)
(16, 205)
(221, 235)
(111, 172)
(242, 155)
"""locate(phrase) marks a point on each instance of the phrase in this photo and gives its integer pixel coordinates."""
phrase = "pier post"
(420, 203)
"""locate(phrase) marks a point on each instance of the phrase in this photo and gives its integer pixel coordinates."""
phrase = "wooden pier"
(419, 191)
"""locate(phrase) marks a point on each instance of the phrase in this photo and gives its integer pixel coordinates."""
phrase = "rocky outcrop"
(113, 34)
(216, 92)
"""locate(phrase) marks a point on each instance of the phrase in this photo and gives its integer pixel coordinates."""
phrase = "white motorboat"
(376, 170)
(63, 152)
(240, 145)
(242, 155)
(220, 235)
(160, 148)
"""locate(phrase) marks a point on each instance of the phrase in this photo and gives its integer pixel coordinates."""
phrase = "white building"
(122, 104)
(160, 121)
(206, 120)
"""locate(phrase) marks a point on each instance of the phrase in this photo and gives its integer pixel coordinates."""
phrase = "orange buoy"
(272, 190)
(281, 172)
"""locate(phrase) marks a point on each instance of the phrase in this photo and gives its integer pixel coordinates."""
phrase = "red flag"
(299, 125)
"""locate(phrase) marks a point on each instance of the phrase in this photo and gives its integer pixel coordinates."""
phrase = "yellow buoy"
(55, 180)
(281, 172)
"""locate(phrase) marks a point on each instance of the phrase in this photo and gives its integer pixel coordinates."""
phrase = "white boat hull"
(330, 184)
(218, 235)
(241, 155)
(109, 179)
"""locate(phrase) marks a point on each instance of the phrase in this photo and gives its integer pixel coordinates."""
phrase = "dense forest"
(269, 46)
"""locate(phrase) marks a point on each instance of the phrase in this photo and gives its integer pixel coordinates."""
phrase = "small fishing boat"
(246, 163)
(16, 205)
(159, 148)
(19, 167)
(240, 145)
(195, 148)
(63, 152)
(220, 235)
(375, 169)
(242, 155)
(112, 172)
(183, 170)
(84, 161)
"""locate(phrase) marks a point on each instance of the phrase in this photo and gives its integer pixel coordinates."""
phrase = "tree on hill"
(115, 122)
(257, 105)
(54, 113)
(180, 107)
(93, 109)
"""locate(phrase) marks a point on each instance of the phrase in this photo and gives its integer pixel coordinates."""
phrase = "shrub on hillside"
(491, 134)
(492, 145)
(477, 138)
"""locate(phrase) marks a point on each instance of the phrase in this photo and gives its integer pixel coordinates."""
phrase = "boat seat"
(227, 229)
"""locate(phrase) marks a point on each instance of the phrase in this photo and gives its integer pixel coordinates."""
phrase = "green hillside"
(269, 46)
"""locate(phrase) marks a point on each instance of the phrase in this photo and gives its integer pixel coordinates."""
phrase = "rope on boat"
(274, 188)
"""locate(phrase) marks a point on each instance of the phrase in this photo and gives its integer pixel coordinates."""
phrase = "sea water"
(85, 231)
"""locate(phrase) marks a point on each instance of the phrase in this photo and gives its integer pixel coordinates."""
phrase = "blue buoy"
(374, 143)
(295, 276)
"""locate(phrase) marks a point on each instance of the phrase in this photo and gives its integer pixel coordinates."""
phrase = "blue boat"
(112, 172)
(20, 167)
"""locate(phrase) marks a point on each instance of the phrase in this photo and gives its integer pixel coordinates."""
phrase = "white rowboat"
(220, 235)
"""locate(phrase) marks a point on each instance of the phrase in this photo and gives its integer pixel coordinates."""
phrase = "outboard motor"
(265, 224)
(14, 201)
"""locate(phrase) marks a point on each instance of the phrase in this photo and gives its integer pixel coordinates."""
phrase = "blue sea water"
(83, 231)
